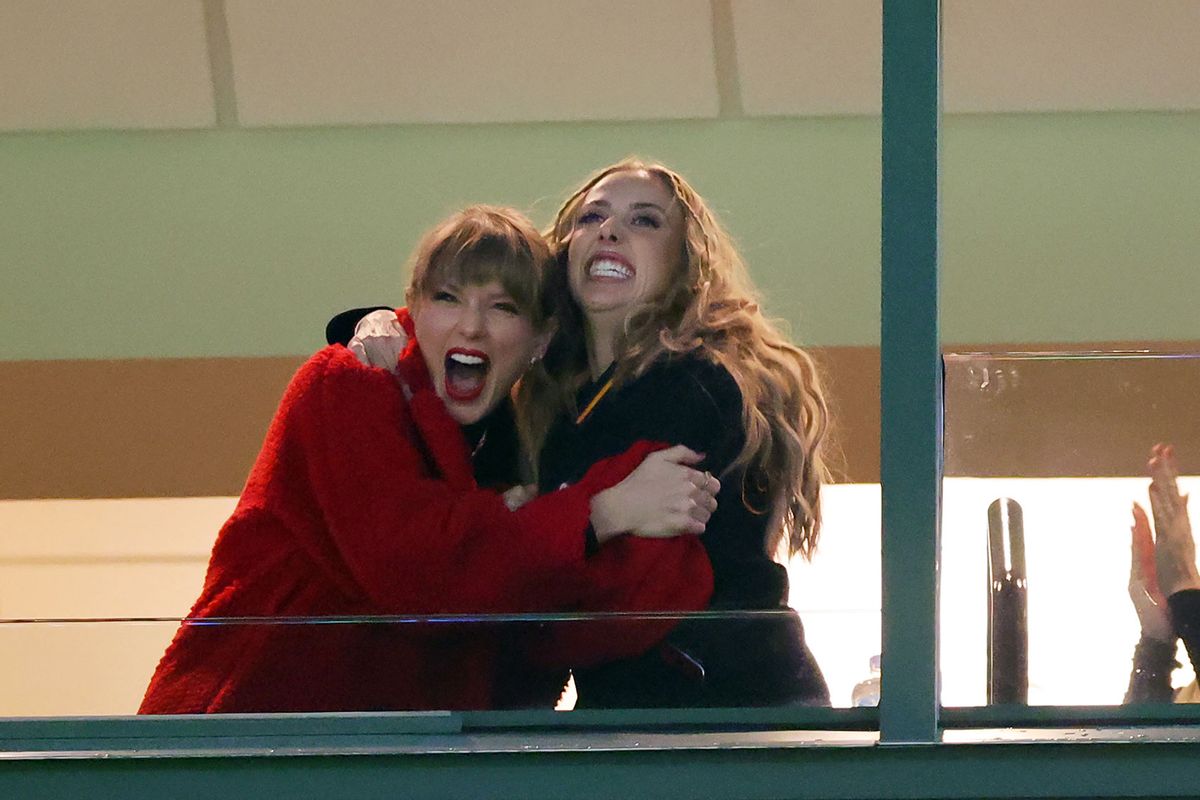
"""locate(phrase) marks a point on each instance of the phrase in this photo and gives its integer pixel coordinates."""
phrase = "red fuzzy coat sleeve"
(630, 575)
(345, 470)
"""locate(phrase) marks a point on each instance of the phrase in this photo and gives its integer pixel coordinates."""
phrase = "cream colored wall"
(95, 560)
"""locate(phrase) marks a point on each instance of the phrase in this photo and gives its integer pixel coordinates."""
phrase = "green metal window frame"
(1031, 752)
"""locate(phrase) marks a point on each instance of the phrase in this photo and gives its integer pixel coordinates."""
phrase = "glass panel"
(353, 663)
(838, 597)
(1045, 455)
(90, 607)
(1071, 188)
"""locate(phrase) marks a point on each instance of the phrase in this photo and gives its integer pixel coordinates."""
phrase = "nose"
(608, 228)
(472, 321)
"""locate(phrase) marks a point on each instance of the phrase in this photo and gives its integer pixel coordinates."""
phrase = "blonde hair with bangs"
(485, 243)
(711, 309)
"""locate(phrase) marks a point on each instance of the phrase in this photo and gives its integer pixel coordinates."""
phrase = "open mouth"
(466, 374)
(607, 268)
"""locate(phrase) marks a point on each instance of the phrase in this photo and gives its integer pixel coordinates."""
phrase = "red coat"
(362, 502)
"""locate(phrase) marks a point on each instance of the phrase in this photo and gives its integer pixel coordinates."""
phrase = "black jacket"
(755, 654)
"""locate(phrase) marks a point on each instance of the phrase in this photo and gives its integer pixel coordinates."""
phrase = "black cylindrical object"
(1008, 632)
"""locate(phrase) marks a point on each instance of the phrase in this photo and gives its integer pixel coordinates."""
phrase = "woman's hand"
(518, 496)
(379, 340)
(1148, 599)
(1174, 546)
(663, 497)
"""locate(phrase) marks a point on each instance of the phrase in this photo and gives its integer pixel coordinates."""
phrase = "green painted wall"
(243, 242)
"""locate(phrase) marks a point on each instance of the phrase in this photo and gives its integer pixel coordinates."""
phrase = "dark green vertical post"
(911, 372)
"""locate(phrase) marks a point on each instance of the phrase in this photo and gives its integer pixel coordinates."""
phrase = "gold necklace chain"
(595, 400)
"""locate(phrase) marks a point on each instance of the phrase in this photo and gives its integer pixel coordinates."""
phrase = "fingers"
(679, 454)
(1142, 536)
(379, 339)
(695, 505)
(1174, 546)
(703, 481)
(701, 508)
(702, 500)
(518, 496)
(379, 323)
(666, 496)
(688, 515)
(1164, 470)
(1161, 508)
(1142, 540)
(356, 347)
(1148, 600)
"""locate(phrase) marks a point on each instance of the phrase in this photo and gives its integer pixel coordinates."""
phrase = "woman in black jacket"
(661, 338)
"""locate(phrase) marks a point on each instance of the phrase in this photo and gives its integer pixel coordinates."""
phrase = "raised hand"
(1148, 599)
(663, 497)
(1174, 546)
(1165, 500)
(379, 340)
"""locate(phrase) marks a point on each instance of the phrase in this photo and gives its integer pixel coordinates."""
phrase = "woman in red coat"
(363, 504)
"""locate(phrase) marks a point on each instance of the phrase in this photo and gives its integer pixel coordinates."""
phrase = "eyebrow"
(607, 204)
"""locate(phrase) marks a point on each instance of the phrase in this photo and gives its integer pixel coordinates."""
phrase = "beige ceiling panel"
(314, 62)
(799, 57)
(1087, 55)
(103, 64)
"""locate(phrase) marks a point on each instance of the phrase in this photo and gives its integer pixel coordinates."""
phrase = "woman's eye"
(443, 296)
(647, 221)
(589, 218)
(508, 307)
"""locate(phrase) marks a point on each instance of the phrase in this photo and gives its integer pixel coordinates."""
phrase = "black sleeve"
(1185, 616)
(1150, 680)
(340, 329)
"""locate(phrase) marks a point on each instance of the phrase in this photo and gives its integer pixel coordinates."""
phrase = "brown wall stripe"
(191, 427)
(135, 428)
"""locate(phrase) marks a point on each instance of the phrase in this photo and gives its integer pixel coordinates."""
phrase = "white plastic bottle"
(866, 693)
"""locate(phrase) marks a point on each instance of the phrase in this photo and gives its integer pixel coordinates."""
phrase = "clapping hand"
(1148, 599)
(1174, 546)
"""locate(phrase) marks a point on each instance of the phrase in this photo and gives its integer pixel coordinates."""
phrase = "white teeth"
(607, 268)
(463, 358)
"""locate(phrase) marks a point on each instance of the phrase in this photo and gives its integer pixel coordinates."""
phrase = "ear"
(541, 342)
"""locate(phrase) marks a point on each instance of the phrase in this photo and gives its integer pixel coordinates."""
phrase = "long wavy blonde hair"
(710, 309)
